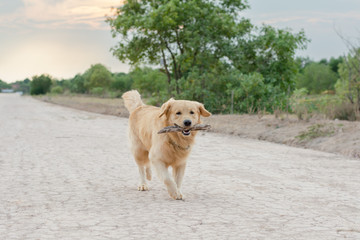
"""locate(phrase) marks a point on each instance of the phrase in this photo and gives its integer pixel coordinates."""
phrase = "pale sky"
(64, 37)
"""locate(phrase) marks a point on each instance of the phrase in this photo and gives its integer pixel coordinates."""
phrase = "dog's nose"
(187, 123)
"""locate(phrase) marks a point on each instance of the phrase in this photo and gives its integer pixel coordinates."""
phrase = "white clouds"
(60, 53)
(304, 17)
(65, 13)
(318, 19)
(58, 37)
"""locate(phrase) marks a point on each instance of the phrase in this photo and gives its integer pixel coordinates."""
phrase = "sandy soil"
(68, 174)
(320, 134)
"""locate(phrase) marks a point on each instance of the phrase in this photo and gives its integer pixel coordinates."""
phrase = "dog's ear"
(165, 107)
(203, 111)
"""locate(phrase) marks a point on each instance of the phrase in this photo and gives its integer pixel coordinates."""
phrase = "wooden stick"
(177, 128)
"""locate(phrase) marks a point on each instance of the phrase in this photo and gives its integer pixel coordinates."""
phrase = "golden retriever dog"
(162, 150)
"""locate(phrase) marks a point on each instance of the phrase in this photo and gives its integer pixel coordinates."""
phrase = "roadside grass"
(316, 131)
(327, 106)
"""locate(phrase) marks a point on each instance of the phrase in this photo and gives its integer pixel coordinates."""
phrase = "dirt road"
(68, 174)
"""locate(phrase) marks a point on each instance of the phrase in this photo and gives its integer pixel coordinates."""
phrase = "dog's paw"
(182, 196)
(176, 195)
(143, 187)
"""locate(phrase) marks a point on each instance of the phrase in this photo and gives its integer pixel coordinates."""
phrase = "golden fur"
(162, 150)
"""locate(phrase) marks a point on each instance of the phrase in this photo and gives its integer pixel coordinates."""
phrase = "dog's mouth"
(186, 132)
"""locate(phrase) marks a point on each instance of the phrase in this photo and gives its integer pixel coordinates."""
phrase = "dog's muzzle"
(186, 132)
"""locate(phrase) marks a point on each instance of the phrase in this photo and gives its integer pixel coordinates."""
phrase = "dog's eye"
(191, 112)
(178, 113)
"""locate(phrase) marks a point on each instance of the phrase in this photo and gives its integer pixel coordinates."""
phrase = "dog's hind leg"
(142, 160)
(148, 172)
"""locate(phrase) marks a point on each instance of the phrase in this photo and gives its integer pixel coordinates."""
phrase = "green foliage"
(302, 62)
(97, 76)
(334, 64)
(40, 84)
(149, 82)
(270, 52)
(64, 84)
(332, 106)
(299, 104)
(316, 78)
(77, 84)
(202, 47)
(203, 87)
(121, 82)
(250, 92)
(349, 83)
(57, 90)
(97, 91)
(4, 85)
(178, 35)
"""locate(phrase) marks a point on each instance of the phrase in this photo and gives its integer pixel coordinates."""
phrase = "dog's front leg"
(163, 174)
(178, 174)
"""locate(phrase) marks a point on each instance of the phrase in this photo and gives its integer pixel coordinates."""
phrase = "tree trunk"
(167, 71)
(175, 67)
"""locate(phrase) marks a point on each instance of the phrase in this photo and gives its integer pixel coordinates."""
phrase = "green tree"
(57, 90)
(77, 84)
(324, 61)
(349, 83)
(334, 64)
(178, 35)
(317, 77)
(302, 63)
(149, 81)
(122, 82)
(270, 52)
(40, 84)
(97, 76)
(198, 43)
(4, 85)
(65, 84)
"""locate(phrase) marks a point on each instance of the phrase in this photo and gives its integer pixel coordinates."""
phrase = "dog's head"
(183, 113)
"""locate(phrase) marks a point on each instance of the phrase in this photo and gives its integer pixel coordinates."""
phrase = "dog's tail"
(132, 100)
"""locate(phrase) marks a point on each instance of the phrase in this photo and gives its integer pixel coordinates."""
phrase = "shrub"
(57, 90)
(113, 94)
(299, 105)
(149, 82)
(97, 91)
(121, 82)
(40, 84)
(97, 76)
(77, 84)
(252, 94)
(344, 111)
(317, 78)
(4, 85)
(331, 106)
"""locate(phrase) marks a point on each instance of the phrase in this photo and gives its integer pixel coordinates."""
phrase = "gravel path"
(68, 174)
